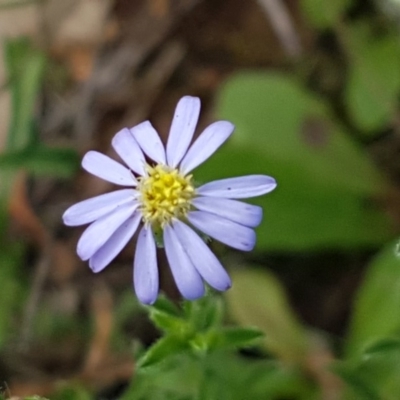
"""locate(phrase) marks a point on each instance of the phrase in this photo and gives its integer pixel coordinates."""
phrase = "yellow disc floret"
(164, 194)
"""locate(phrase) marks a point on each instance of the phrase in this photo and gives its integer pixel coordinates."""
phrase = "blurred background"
(312, 87)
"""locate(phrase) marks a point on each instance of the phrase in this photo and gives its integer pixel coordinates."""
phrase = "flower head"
(161, 200)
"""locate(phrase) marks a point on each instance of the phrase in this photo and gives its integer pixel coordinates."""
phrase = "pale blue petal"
(239, 188)
(182, 129)
(97, 234)
(114, 244)
(236, 211)
(205, 146)
(149, 141)
(186, 277)
(202, 257)
(145, 270)
(127, 148)
(106, 168)
(230, 233)
(89, 210)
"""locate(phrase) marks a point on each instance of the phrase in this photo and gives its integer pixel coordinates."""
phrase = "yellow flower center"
(164, 194)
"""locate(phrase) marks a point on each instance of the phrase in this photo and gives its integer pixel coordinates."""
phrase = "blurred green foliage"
(326, 199)
(26, 66)
(12, 293)
(324, 14)
(374, 373)
(326, 184)
(376, 313)
(374, 79)
(257, 299)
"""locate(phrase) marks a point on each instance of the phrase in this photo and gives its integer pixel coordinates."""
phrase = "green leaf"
(73, 392)
(204, 313)
(374, 373)
(25, 67)
(376, 311)
(164, 348)
(239, 337)
(165, 306)
(358, 385)
(258, 299)
(283, 131)
(169, 323)
(324, 14)
(374, 79)
(385, 345)
(220, 375)
(42, 160)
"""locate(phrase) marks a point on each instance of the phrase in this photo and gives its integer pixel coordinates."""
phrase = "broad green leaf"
(323, 13)
(283, 131)
(376, 311)
(275, 114)
(165, 347)
(374, 77)
(258, 299)
(39, 159)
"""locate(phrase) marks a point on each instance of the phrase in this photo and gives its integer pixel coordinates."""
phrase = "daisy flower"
(161, 201)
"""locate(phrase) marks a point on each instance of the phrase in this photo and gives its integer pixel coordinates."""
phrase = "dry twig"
(281, 21)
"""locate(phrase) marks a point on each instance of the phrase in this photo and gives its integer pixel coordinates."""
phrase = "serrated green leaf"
(164, 348)
(258, 299)
(39, 159)
(376, 311)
